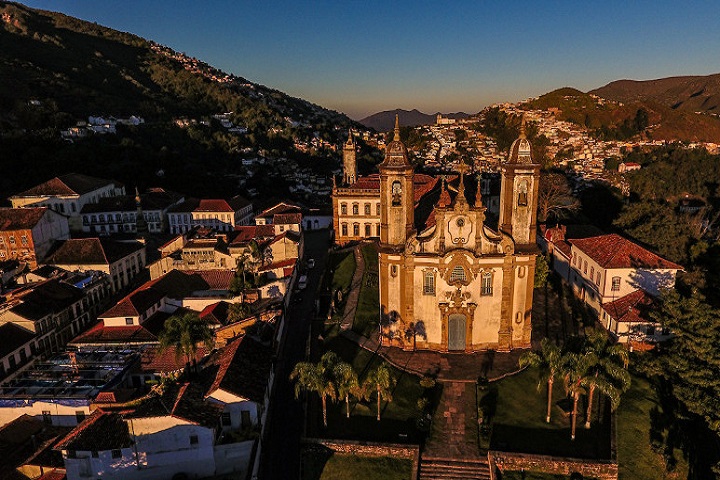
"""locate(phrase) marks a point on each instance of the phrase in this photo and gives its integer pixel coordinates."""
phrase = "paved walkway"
(355, 284)
(454, 425)
(454, 367)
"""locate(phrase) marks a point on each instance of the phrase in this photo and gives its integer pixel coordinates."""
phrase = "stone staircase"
(434, 468)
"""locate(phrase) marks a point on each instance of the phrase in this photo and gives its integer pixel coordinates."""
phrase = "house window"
(117, 453)
(194, 439)
(367, 230)
(458, 274)
(356, 229)
(343, 208)
(367, 209)
(225, 419)
(245, 419)
(486, 284)
(574, 260)
(615, 284)
(344, 229)
(597, 280)
(356, 209)
(592, 272)
(79, 416)
(128, 321)
(585, 267)
(429, 283)
(47, 417)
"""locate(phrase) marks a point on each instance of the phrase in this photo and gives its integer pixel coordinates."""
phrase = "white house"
(222, 215)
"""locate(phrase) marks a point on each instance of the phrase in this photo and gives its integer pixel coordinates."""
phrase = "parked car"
(311, 263)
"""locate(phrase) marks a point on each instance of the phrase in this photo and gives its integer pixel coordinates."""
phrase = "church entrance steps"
(433, 468)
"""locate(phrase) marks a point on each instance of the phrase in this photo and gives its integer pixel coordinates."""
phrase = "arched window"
(429, 283)
(396, 193)
(343, 208)
(486, 285)
(367, 209)
(356, 209)
(458, 274)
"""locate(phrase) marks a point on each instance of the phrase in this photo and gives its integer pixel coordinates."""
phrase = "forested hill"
(384, 121)
(79, 68)
(613, 119)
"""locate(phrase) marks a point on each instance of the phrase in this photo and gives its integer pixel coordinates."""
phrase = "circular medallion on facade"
(460, 222)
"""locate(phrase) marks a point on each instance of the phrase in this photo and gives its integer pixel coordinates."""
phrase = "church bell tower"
(349, 161)
(397, 197)
(519, 192)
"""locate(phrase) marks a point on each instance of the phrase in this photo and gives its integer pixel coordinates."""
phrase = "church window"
(343, 208)
(344, 229)
(574, 260)
(486, 285)
(585, 266)
(24, 240)
(429, 283)
(367, 209)
(615, 284)
(522, 194)
(393, 270)
(592, 273)
(396, 193)
(367, 230)
(377, 209)
(356, 229)
(458, 274)
(356, 209)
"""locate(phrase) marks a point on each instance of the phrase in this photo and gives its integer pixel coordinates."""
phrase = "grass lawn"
(341, 267)
(637, 459)
(368, 308)
(517, 412)
(534, 476)
(317, 466)
(398, 418)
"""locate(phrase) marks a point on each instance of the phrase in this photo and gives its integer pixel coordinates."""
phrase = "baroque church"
(447, 280)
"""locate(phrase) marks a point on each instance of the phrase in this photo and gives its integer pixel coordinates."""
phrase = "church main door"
(456, 332)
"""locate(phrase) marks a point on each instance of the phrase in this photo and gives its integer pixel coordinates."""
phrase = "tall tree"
(608, 374)
(549, 362)
(347, 384)
(184, 333)
(382, 381)
(317, 378)
(555, 197)
(576, 369)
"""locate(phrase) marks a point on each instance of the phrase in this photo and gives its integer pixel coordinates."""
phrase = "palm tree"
(608, 374)
(576, 368)
(347, 384)
(382, 380)
(184, 333)
(549, 361)
(316, 377)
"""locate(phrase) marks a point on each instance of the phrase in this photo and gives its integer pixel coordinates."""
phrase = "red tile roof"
(371, 182)
(99, 334)
(154, 361)
(216, 313)
(20, 218)
(281, 207)
(287, 218)
(290, 262)
(614, 251)
(633, 307)
(100, 431)
(244, 369)
(213, 205)
(69, 184)
(91, 251)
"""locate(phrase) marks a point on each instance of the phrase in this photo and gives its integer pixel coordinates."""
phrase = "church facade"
(448, 281)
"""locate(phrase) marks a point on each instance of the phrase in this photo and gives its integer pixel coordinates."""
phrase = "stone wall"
(506, 461)
(371, 449)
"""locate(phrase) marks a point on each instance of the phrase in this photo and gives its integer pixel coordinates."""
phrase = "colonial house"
(287, 216)
(67, 195)
(44, 317)
(222, 215)
(199, 249)
(27, 234)
(112, 215)
(121, 260)
(616, 278)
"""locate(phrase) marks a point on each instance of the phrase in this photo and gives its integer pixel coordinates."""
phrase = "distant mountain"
(688, 93)
(622, 117)
(384, 121)
(81, 68)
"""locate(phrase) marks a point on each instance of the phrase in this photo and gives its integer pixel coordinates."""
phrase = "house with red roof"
(221, 215)
(618, 279)
(67, 195)
(27, 234)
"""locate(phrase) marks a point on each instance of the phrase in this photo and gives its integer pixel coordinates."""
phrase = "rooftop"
(20, 218)
(91, 251)
(614, 251)
(244, 369)
(69, 184)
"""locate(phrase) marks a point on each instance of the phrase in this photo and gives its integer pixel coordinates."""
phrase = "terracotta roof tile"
(281, 264)
(281, 207)
(99, 334)
(78, 251)
(69, 184)
(634, 307)
(244, 370)
(20, 218)
(614, 251)
(100, 431)
(287, 218)
(216, 313)
(154, 361)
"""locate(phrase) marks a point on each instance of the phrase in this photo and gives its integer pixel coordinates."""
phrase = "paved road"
(281, 451)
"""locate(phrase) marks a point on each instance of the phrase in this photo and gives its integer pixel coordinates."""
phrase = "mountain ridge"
(385, 120)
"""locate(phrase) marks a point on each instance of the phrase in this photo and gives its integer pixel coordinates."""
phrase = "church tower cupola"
(349, 160)
(397, 197)
(519, 192)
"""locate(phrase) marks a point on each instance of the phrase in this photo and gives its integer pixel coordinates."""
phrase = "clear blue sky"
(361, 57)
